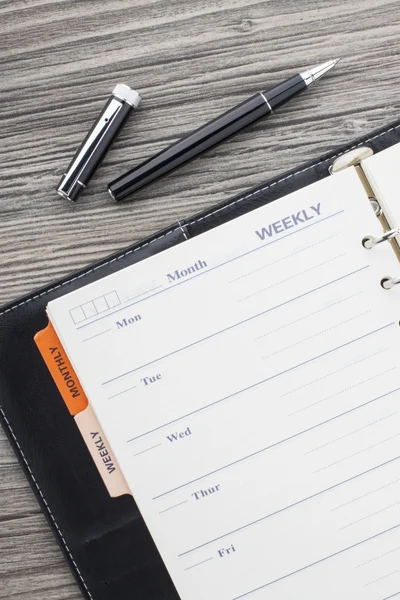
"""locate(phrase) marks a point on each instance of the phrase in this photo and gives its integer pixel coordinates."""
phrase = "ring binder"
(370, 241)
(350, 159)
(354, 159)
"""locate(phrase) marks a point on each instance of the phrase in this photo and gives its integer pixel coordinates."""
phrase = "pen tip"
(311, 75)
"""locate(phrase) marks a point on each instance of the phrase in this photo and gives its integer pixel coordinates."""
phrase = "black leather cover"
(105, 540)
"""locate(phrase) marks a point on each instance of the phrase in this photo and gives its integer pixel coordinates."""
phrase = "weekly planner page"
(248, 382)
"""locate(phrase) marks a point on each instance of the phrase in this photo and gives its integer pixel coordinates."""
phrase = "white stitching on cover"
(214, 212)
(108, 262)
(293, 175)
(135, 250)
(183, 231)
(47, 506)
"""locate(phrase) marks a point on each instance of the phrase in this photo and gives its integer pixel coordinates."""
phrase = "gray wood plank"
(190, 60)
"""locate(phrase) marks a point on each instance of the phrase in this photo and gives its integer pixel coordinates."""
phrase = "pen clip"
(97, 141)
(96, 134)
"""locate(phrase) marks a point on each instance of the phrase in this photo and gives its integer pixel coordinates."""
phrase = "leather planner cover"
(105, 539)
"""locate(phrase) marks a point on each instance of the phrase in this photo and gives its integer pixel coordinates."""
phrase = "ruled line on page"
(284, 237)
(377, 512)
(122, 392)
(344, 458)
(96, 335)
(142, 294)
(286, 279)
(148, 449)
(200, 563)
(342, 391)
(347, 366)
(392, 596)
(283, 441)
(367, 562)
(285, 508)
(171, 507)
(350, 433)
(382, 577)
(318, 333)
(307, 316)
(317, 562)
(254, 385)
(230, 327)
(278, 260)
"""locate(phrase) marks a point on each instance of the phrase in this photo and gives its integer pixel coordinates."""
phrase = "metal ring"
(376, 207)
(390, 282)
(369, 241)
(350, 159)
(266, 102)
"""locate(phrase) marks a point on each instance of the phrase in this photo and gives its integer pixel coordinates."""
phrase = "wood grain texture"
(59, 61)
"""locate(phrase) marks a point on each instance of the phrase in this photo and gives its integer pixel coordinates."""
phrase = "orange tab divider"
(77, 403)
(61, 369)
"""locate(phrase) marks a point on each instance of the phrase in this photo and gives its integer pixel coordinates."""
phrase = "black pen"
(214, 132)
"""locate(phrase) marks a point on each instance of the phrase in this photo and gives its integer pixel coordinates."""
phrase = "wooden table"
(190, 60)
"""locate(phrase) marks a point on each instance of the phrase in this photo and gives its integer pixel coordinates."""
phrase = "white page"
(383, 172)
(251, 398)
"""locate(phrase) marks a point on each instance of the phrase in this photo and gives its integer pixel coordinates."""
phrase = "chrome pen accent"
(97, 142)
(310, 76)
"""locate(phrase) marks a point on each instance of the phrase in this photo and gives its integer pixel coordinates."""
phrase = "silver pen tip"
(312, 75)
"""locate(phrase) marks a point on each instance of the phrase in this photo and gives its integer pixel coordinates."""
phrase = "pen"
(97, 142)
(216, 131)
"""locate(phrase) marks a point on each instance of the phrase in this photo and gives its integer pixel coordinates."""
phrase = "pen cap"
(97, 142)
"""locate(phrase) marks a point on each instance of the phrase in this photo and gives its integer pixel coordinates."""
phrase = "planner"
(212, 412)
(248, 385)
